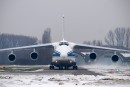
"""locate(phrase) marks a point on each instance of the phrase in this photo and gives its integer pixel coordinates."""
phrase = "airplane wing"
(83, 46)
(28, 47)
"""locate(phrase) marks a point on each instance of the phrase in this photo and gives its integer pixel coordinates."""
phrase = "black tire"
(66, 68)
(75, 67)
(60, 68)
(51, 67)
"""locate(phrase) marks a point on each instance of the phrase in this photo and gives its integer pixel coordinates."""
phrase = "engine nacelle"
(86, 58)
(115, 58)
(34, 55)
(12, 57)
(92, 56)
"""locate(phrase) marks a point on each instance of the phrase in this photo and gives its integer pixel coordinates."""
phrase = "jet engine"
(89, 56)
(115, 58)
(12, 57)
(34, 55)
(92, 56)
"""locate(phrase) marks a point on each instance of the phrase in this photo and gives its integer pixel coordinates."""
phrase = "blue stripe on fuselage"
(71, 53)
(56, 54)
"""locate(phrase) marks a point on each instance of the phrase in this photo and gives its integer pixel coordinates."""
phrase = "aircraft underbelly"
(68, 61)
(63, 59)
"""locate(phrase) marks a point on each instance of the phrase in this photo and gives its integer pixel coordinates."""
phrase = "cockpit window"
(64, 43)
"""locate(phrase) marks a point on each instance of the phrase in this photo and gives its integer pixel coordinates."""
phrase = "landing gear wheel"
(75, 67)
(60, 68)
(66, 68)
(51, 67)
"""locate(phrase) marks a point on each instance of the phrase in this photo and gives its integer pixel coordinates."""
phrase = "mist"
(84, 19)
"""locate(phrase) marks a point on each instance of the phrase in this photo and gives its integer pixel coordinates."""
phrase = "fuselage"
(63, 55)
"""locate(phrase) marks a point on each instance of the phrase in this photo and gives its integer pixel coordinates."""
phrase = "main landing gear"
(66, 68)
(75, 67)
(51, 67)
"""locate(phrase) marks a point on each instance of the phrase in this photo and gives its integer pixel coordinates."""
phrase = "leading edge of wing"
(28, 47)
(83, 46)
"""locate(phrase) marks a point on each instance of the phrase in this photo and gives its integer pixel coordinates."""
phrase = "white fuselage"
(63, 50)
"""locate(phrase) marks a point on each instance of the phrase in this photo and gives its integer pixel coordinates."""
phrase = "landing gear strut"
(60, 68)
(75, 67)
(66, 68)
(51, 67)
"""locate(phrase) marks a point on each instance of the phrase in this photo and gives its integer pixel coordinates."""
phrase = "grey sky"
(84, 19)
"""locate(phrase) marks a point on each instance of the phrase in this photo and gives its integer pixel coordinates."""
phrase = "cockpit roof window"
(64, 43)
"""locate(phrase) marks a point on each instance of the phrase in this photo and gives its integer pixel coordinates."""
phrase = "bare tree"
(87, 42)
(118, 38)
(99, 43)
(46, 53)
(127, 42)
(46, 37)
(94, 42)
(110, 39)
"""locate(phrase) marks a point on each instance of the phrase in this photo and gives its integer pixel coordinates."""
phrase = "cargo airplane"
(64, 54)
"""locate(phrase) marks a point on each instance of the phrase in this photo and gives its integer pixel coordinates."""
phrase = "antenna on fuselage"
(63, 27)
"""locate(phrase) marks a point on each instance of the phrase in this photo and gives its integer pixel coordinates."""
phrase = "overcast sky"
(84, 19)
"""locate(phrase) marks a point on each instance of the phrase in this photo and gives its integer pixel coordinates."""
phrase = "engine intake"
(12, 57)
(34, 55)
(115, 58)
(92, 56)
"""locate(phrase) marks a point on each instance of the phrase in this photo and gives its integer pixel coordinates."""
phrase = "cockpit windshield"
(64, 43)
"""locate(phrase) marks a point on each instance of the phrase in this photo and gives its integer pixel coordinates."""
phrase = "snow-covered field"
(64, 80)
(112, 77)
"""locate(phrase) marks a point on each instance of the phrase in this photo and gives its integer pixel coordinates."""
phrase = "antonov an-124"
(63, 56)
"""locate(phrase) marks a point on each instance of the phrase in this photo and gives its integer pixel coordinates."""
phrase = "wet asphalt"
(44, 70)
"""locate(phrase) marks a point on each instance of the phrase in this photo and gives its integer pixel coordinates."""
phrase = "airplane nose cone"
(63, 55)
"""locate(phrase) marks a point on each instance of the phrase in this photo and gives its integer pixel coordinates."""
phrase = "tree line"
(11, 40)
(23, 56)
(115, 38)
(118, 38)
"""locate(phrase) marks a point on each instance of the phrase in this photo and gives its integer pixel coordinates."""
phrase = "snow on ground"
(80, 80)
(109, 70)
(112, 77)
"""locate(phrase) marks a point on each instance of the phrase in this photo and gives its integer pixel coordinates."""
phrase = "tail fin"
(63, 27)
